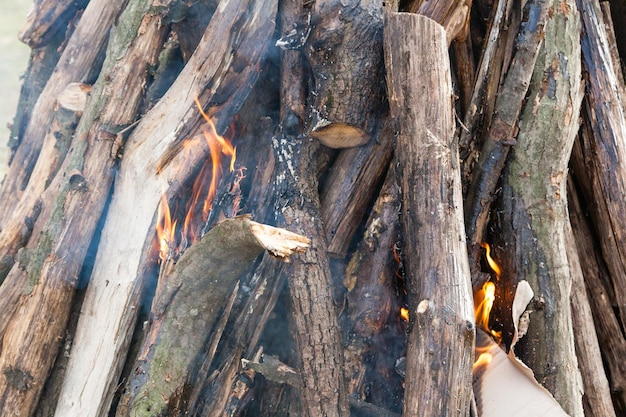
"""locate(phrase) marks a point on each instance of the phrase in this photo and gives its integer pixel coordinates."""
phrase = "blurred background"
(13, 61)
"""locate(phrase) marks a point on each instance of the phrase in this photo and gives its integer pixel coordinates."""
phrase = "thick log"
(597, 395)
(198, 286)
(48, 269)
(441, 334)
(345, 54)
(596, 275)
(605, 149)
(502, 130)
(535, 206)
(153, 156)
(453, 15)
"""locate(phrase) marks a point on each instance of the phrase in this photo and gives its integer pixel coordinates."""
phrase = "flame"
(218, 146)
(483, 360)
(404, 314)
(485, 297)
(165, 228)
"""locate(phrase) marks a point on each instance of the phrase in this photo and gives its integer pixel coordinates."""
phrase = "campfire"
(255, 208)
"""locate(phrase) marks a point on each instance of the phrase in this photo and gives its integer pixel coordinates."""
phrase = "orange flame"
(165, 228)
(483, 360)
(404, 314)
(218, 146)
(485, 297)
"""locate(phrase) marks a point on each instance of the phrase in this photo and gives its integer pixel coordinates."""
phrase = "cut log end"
(340, 136)
(280, 243)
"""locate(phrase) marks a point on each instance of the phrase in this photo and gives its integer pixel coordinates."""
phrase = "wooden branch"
(151, 158)
(199, 283)
(605, 149)
(438, 280)
(502, 131)
(345, 54)
(535, 207)
(597, 395)
(453, 15)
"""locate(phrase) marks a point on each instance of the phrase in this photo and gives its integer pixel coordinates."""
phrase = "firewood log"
(441, 333)
(535, 206)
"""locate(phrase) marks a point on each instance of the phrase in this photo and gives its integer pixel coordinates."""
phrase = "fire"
(404, 314)
(218, 146)
(485, 297)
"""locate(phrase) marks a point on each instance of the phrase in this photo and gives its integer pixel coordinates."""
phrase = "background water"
(13, 62)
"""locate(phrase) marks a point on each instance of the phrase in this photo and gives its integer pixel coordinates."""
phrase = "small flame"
(165, 228)
(483, 360)
(485, 297)
(404, 314)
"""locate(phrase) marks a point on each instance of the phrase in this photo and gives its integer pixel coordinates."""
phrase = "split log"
(441, 333)
(297, 208)
(198, 286)
(48, 269)
(153, 156)
(604, 150)
(453, 15)
(535, 206)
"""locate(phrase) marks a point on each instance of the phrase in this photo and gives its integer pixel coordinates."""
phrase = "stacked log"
(392, 144)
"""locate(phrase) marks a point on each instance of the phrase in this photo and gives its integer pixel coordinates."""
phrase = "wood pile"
(369, 150)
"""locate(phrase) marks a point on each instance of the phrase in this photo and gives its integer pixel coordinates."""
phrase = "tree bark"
(441, 332)
(535, 207)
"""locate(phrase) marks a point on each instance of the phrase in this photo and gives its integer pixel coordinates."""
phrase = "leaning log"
(535, 206)
(199, 285)
(441, 334)
(152, 157)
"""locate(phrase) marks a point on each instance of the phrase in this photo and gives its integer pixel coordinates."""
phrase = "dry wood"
(345, 54)
(597, 395)
(610, 337)
(535, 206)
(502, 130)
(605, 149)
(151, 158)
(453, 15)
(441, 333)
(198, 286)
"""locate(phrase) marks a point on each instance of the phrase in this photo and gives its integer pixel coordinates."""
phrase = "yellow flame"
(165, 228)
(492, 264)
(483, 360)
(404, 314)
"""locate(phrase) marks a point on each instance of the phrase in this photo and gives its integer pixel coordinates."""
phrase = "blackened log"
(535, 206)
(502, 130)
(604, 150)
(46, 18)
(441, 334)
(597, 395)
(610, 335)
